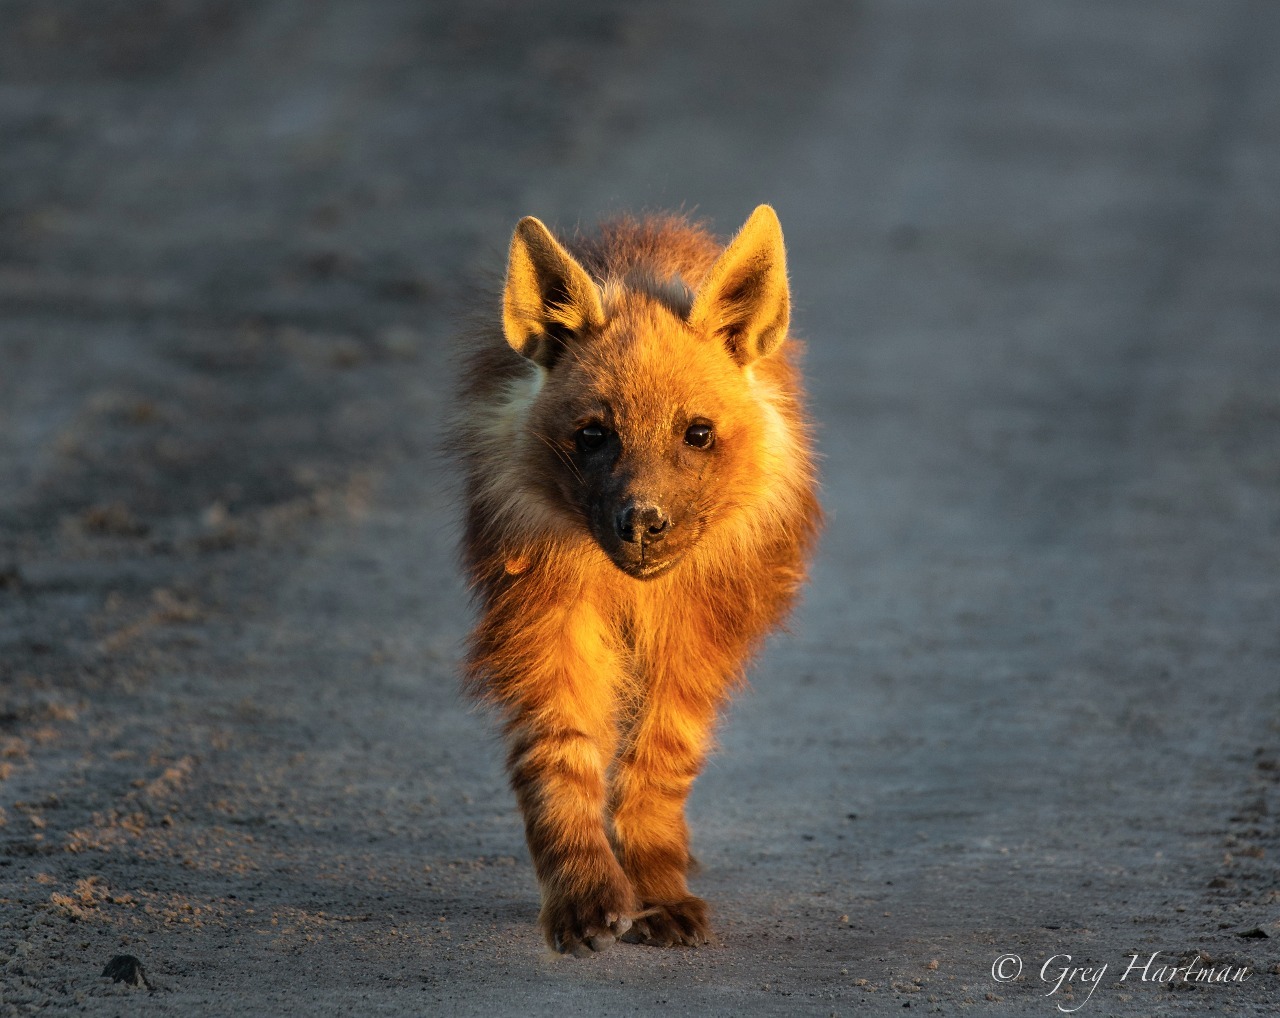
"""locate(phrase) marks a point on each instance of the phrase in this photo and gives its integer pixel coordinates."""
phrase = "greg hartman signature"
(1064, 978)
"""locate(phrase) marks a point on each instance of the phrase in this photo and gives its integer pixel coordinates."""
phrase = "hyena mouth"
(648, 568)
(645, 561)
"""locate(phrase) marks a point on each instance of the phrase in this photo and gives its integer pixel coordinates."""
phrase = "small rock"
(125, 968)
(114, 520)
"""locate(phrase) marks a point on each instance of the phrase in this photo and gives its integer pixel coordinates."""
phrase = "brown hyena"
(640, 503)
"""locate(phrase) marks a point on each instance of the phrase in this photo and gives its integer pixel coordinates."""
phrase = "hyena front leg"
(558, 776)
(561, 736)
(651, 783)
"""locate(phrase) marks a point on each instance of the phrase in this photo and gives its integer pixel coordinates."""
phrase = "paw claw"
(601, 941)
(586, 925)
(671, 924)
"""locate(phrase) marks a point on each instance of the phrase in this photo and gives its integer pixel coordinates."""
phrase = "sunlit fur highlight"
(609, 685)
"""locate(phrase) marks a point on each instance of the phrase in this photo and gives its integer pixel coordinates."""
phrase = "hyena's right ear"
(547, 296)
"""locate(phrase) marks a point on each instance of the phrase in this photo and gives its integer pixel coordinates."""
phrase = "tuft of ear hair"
(547, 295)
(744, 300)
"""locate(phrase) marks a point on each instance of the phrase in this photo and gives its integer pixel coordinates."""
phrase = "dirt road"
(1031, 705)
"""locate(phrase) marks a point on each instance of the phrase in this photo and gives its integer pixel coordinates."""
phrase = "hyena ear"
(547, 295)
(744, 300)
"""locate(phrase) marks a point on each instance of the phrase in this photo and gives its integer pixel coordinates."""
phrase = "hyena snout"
(641, 523)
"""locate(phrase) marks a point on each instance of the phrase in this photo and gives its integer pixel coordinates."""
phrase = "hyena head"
(648, 423)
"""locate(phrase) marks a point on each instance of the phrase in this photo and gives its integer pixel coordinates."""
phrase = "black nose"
(641, 521)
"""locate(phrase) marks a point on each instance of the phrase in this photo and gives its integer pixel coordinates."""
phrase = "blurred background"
(1031, 701)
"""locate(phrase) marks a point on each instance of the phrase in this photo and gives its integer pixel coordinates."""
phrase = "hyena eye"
(591, 437)
(700, 436)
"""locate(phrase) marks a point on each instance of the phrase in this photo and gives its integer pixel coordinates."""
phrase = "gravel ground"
(1031, 705)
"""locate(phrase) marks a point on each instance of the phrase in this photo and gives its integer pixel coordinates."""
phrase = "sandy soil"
(1031, 705)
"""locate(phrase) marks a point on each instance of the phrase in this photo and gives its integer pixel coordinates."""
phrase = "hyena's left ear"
(547, 296)
(744, 300)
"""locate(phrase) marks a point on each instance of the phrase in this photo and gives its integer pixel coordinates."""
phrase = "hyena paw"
(586, 924)
(685, 922)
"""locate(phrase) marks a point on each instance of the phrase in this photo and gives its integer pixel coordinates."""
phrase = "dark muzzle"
(641, 523)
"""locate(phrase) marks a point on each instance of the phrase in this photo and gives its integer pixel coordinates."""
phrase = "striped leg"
(561, 737)
(558, 776)
(651, 783)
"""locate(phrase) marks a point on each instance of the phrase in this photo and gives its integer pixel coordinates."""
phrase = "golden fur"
(640, 504)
